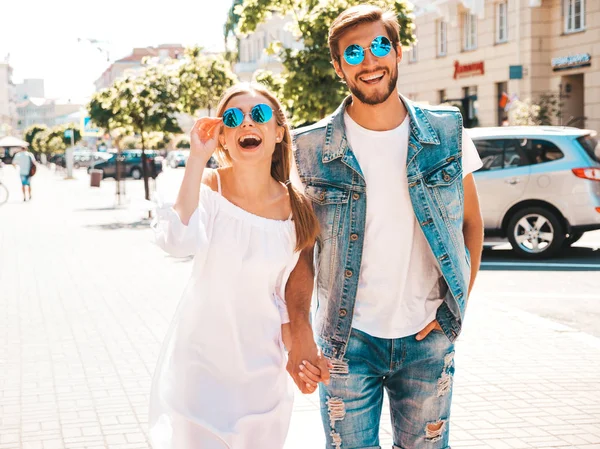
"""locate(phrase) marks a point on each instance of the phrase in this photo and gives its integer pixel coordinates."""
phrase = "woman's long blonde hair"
(306, 223)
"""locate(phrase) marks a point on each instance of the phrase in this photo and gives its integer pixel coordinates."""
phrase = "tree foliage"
(31, 132)
(141, 103)
(51, 140)
(146, 104)
(308, 85)
(203, 80)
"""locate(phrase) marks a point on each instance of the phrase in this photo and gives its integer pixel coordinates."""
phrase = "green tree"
(31, 132)
(524, 113)
(309, 86)
(59, 131)
(141, 103)
(550, 108)
(53, 140)
(203, 80)
(183, 143)
(130, 142)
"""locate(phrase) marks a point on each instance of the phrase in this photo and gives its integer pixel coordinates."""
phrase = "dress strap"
(218, 181)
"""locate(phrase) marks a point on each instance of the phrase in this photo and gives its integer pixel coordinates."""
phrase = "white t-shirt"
(23, 160)
(400, 286)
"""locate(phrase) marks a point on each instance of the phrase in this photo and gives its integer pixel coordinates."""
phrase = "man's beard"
(375, 98)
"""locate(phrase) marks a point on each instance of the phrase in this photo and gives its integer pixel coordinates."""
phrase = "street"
(86, 298)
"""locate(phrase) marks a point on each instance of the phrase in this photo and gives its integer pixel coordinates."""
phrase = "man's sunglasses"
(261, 113)
(380, 47)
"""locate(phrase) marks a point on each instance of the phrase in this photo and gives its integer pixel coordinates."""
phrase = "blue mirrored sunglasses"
(355, 54)
(261, 113)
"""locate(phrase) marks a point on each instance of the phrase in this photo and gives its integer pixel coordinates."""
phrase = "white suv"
(539, 185)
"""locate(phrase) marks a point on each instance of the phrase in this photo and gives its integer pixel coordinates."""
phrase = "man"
(24, 160)
(399, 249)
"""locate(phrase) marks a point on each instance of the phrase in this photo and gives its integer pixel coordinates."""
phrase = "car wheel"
(572, 238)
(76, 166)
(136, 173)
(535, 233)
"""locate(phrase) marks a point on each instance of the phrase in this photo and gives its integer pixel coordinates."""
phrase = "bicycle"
(3, 189)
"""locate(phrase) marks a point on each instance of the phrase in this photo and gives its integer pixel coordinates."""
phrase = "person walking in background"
(25, 161)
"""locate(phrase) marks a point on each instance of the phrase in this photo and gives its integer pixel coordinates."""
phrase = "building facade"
(45, 111)
(133, 62)
(481, 55)
(253, 48)
(8, 97)
(30, 88)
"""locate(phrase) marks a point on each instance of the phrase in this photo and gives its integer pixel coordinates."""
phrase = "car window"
(541, 151)
(490, 152)
(591, 145)
(515, 154)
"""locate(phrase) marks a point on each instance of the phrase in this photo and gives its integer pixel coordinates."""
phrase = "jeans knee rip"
(337, 412)
(340, 367)
(444, 383)
(434, 431)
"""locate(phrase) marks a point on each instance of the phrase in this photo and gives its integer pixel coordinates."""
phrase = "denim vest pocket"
(327, 195)
(444, 183)
(327, 204)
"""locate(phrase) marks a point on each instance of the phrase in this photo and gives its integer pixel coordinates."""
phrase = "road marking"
(540, 264)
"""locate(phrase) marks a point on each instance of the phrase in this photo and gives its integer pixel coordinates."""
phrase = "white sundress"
(220, 381)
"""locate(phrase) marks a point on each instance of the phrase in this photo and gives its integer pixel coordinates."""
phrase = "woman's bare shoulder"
(209, 178)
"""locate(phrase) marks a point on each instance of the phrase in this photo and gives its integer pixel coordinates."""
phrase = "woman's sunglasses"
(355, 54)
(261, 113)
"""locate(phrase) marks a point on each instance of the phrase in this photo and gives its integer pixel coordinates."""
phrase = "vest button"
(322, 196)
(343, 313)
(354, 237)
(348, 273)
(446, 177)
(355, 196)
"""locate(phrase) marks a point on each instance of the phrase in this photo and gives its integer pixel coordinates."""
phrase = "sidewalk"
(85, 300)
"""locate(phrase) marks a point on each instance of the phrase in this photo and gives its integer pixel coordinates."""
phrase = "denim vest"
(334, 183)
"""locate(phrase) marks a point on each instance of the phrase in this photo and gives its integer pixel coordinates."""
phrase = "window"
(574, 15)
(442, 96)
(591, 146)
(501, 22)
(442, 36)
(541, 151)
(498, 154)
(469, 32)
(514, 153)
(413, 51)
(491, 153)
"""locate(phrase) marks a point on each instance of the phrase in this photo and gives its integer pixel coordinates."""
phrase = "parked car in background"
(177, 158)
(131, 164)
(89, 158)
(539, 185)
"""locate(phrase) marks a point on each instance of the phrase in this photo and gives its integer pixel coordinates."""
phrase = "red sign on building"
(472, 69)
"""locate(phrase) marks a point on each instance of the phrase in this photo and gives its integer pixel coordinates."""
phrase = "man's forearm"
(298, 290)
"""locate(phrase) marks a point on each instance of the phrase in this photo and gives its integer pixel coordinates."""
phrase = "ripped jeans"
(417, 376)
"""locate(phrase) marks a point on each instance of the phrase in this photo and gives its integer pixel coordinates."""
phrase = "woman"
(221, 380)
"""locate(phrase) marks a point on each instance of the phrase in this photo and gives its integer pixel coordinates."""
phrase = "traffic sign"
(88, 129)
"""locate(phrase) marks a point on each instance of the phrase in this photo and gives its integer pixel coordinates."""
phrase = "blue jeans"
(417, 376)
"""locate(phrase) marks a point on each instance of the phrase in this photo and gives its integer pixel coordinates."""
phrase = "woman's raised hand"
(203, 137)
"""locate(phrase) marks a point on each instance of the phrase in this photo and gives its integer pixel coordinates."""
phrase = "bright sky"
(41, 36)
